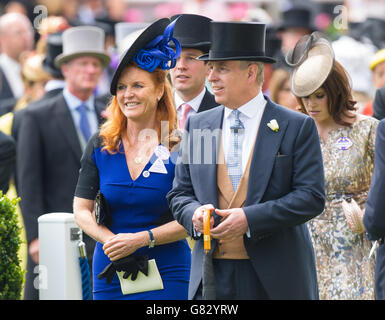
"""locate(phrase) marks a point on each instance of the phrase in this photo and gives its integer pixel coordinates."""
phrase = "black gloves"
(108, 273)
(131, 265)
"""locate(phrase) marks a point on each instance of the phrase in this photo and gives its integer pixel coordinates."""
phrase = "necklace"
(138, 160)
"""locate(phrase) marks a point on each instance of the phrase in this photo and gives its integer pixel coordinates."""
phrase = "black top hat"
(273, 43)
(297, 18)
(54, 48)
(156, 52)
(193, 31)
(237, 41)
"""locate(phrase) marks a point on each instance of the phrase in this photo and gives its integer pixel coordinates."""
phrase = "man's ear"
(252, 72)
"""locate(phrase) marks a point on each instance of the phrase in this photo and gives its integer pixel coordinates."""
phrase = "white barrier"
(59, 270)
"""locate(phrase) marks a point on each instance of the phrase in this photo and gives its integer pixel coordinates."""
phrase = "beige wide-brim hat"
(83, 41)
(312, 59)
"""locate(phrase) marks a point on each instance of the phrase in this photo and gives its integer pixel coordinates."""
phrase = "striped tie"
(234, 159)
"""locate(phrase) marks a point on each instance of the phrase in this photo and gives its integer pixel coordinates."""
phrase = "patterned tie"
(185, 111)
(83, 123)
(234, 158)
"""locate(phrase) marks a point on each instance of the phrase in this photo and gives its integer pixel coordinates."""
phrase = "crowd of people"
(141, 131)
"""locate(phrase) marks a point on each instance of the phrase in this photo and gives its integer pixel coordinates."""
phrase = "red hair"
(113, 129)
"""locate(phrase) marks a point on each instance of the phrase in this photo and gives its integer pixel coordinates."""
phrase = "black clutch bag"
(102, 211)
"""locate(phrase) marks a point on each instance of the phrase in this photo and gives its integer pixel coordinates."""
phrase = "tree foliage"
(11, 273)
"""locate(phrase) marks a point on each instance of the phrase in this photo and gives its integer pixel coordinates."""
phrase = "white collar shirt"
(194, 103)
(12, 71)
(73, 102)
(250, 115)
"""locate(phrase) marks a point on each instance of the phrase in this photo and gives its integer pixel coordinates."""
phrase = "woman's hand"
(124, 244)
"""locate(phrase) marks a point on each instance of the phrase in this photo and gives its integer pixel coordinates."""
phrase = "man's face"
(379, 75)
(82, 73)
(189, 75)
(17, 39)
(230, 83)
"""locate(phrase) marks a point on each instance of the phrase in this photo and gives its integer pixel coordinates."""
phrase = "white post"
(59, 270)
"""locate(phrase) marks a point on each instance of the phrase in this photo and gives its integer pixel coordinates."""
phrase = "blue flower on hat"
(146, 60)
(158, 53)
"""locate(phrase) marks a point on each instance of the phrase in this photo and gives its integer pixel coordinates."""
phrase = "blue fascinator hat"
(150, 49)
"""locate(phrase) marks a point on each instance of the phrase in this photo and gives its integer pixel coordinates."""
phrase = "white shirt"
(54, 84)
(194, 103)
(12, 71)
(250, 115)
(73, 102)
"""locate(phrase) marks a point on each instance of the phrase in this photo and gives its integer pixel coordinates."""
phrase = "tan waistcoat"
(227, 198)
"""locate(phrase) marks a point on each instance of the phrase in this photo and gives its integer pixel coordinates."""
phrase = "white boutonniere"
(273, 125)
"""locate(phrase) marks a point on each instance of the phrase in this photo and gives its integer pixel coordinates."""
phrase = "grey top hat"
(83, 41)
(122, 32)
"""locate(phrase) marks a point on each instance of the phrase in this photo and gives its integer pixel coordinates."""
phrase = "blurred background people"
(16, 37)
(34, 78)
(53, 136)
(296, 22)
(280, 89)
(7, 160)
(379, 104)
(377, 66)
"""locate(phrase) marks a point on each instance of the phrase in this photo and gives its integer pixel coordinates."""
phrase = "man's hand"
(33, 250)
(197, 218)
(233, 224)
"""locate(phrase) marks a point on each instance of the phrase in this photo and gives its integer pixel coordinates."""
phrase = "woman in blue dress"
(131, 163)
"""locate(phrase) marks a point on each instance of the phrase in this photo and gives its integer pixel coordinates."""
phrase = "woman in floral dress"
(344, 269)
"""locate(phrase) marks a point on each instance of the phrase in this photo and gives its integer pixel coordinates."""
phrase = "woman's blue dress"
(135, 205)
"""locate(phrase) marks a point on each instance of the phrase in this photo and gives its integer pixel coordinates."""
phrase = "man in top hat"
(53, 136)
(259, 165)
(189, 75)
(296, 22)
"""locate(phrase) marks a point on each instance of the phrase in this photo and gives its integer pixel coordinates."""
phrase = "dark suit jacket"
(48, 162)
(286, 189)
(5, 89)
(379, 104)
(7, 160)
(374, 218)
(19, 114)
(18, 117)
(208, 102)
(7, 99)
